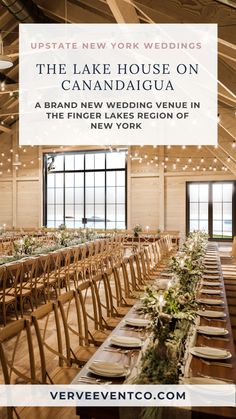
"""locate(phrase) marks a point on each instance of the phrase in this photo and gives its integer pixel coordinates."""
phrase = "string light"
(233, 144)
(202, 160)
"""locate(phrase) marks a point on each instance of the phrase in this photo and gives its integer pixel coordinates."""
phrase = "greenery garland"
(172, 314)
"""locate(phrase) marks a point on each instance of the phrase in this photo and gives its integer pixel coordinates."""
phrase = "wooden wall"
(155, 198)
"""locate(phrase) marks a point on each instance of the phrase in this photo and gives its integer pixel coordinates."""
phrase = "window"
(210, 208)
(85, 189)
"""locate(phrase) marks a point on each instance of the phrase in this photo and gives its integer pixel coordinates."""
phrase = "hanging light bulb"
(234, 144)
(202, 160)
(5, 61)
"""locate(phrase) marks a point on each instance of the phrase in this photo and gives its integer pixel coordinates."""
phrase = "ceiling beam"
(9, 88)
(5, 129)
(220, 155)
(123, 11)
(226, 75)
(194, 11)
(227, 50)
(12, 50)
(72, 13)
(226, 133)
(229, 3)
(225, 95)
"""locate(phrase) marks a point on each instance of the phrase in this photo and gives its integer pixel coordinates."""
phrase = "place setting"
(211, 284)
(207, 352)
(212, 314)
(210, 291)
(212, 330)
(211, 301)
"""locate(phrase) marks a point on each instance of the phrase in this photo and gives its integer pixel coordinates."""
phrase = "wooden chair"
(97, 333)
(102, 297)
(120, 283)
(53, 275)
(137, 284)
(7, 295)
(38, 284)
(119, 309)
(44, 280)
(76, 269)
(18, 368)
(75, 325)
(13, 274)
(50, 343)
(25, 291)
(130, 293)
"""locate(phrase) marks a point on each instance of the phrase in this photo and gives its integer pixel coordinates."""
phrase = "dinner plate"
(108, 369)
(137, 322)
(212, 277)
(210, 291)
(211, 284)
(203, 380)
(212, 331)
(211, 301)
(125, 341)
(211, 314)
(210, 272)
(210, 353)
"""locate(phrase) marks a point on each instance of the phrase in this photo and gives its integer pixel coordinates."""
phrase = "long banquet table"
(198, 367)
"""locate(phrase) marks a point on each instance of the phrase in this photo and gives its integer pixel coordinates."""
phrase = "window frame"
(210, 208)
(84, 171)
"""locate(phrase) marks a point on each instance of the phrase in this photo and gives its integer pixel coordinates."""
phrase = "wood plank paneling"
(28, 204)
(6, 202)
(145, 201)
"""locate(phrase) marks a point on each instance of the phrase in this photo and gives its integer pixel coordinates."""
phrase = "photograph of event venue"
(117, 264)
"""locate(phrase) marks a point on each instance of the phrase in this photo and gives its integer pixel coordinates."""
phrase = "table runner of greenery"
(32, 246)
(172, 314)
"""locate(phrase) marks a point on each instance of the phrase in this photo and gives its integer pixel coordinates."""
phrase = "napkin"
(211, 313)
(209, 352)
(210, 301)
(210, 330)
(211, 283)
(125, 341)
(209, 291)
(109, 368)
(138, 322)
